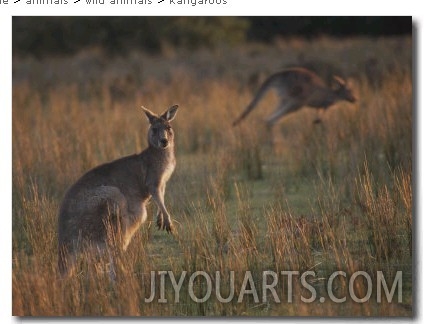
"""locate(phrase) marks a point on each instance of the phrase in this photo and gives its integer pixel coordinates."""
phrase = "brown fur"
(296, 88)
(114, 196)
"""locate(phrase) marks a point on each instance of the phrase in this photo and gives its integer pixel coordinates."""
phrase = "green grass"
(325, 198)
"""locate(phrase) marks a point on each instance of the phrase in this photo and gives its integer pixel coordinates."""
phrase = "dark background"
(41, 36)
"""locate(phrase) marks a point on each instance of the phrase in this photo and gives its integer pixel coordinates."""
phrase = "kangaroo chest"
(160, 169)
(167, 171)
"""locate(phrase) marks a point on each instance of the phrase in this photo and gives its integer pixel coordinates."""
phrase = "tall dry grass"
(329, 197)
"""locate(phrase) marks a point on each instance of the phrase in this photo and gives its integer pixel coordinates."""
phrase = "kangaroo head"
(161, 134)
(342, 90)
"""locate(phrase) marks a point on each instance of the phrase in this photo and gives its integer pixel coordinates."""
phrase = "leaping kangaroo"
(296, 88)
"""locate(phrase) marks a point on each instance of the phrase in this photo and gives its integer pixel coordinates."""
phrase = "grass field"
(330, 197)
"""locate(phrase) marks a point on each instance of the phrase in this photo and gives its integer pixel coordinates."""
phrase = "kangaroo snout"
(352, 99)
(163, 142)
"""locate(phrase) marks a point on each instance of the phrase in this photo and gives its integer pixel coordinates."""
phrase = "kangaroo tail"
(259, 95)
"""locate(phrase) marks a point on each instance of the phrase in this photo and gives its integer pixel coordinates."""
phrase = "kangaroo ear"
(150, 115)
(170, 113)
(350, 82)
(339, 81)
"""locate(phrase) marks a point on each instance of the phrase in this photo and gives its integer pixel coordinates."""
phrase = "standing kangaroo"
(113, 196)
(298, 87)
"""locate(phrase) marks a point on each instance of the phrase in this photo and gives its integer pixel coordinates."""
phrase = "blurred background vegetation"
(40, 36)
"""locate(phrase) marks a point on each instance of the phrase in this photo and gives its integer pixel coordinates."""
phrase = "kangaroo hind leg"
(283, 108)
